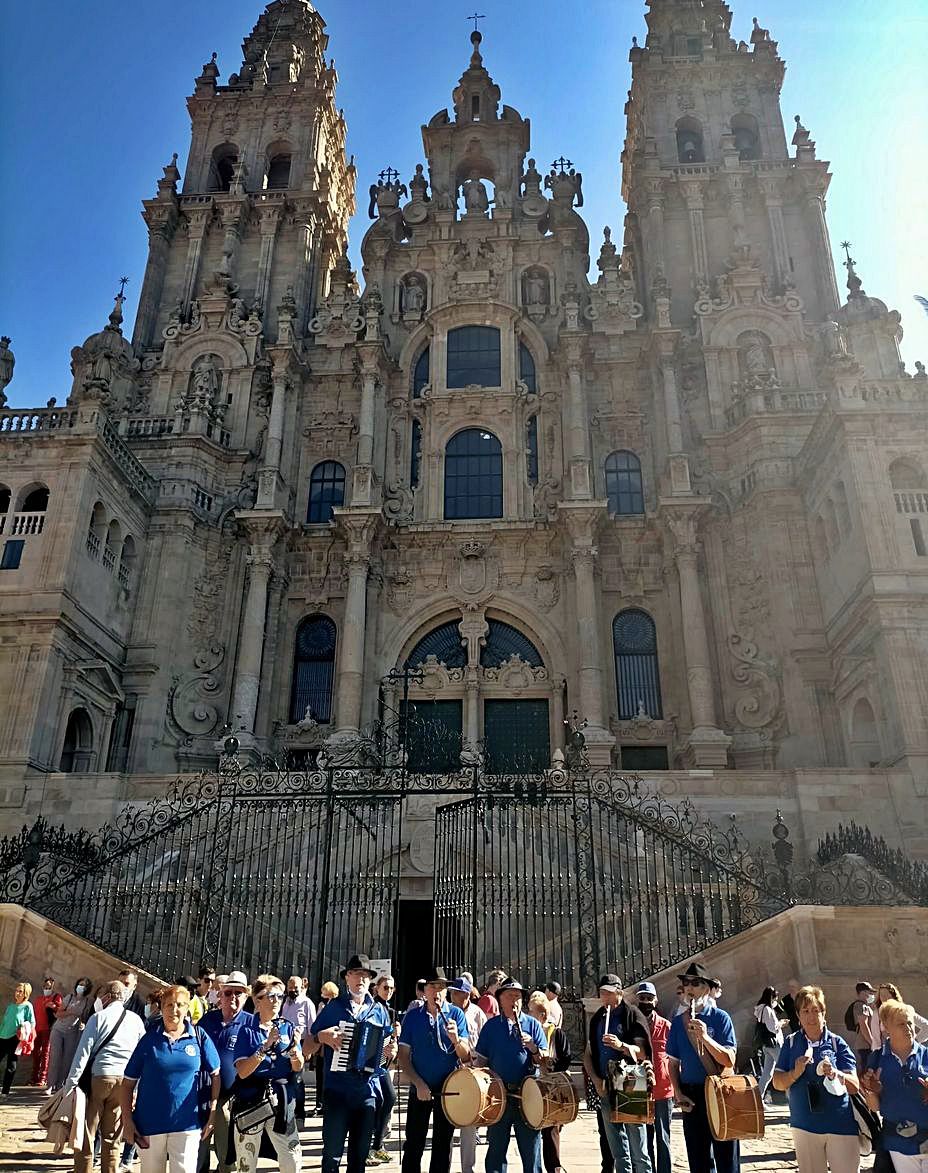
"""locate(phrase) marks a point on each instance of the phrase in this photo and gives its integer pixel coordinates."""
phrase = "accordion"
(361, 1049)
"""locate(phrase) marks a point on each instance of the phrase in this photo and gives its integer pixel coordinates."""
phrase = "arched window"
(5, 496)
(420, 374)
(113, 547)
(473, 475)
(689, 141)
(531, 449)
(222, 168)
(504, 641)
(444, 643)
(637, 679)
(744, 129)
(127, 561)
(415, 454)
(77, 754)
(865, 738)
(35, 501)
(326, 491)
(623, 483)
(313, 670)
(474, 356)
(527, 368)
(278, 172)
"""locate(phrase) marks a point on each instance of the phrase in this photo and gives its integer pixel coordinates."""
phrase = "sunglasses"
(232, 994)
(692, 982)
(272, 997)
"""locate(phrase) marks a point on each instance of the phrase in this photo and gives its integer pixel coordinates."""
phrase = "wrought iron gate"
(575, 877)
(269, 870)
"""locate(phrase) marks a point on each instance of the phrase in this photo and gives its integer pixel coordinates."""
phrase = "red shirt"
(660, 1029)
(45, 1007)
(489, 1005)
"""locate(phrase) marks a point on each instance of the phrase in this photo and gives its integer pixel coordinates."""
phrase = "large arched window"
(444, 643)
(623, 483)
(313, 670)
(77, 752)
(474, 356)
(277, 176)
(504, 641)
(689, 141)
(637, 679)
(222, 167)
(747, 140)
(420, 374)
(527, 368)
(473, 475)
(326, 491)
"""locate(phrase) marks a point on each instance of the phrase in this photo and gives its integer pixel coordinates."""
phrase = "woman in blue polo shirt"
(164, 1071)
(817, 1070)
(896, 1083)
(268, 1053)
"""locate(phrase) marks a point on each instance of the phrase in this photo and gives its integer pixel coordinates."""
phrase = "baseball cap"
(462, 985)
(611, 982)
(647, 988)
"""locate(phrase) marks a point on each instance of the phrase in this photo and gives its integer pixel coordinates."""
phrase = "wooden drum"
(551, 1099)
(629, 1087)
(736, 1111)
(473, 1095)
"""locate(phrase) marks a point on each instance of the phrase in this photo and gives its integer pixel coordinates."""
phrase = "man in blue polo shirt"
(350, 1097)
(706, 1029)
(512, 1044)
(223, 1026)
(434, 1041)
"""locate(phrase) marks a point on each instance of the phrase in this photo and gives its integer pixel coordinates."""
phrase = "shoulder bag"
(84, 1083)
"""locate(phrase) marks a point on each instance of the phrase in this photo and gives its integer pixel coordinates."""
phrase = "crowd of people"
(216, 1069)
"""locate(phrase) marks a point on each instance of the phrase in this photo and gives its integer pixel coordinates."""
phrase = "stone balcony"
(21, 525)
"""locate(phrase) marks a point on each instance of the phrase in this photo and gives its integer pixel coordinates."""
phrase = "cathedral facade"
(669, 485)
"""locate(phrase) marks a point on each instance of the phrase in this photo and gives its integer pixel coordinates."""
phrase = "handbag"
(869, 1124)
(86, 1077)
(252, 1115)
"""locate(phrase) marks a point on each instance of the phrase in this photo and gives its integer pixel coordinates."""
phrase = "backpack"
(849, 1020)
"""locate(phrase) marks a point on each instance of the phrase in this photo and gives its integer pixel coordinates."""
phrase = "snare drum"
(550, 1099)
(473, 1096)
(629, 1088)
(734, 1106)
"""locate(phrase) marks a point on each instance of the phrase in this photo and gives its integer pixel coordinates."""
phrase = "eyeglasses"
(272, 995)
(691, 982)
(232, 994)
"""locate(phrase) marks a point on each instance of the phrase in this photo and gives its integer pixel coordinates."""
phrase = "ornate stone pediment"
(515, 675)
(436, 676)
(97, 680)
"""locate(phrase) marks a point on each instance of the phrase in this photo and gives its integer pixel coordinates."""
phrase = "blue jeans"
(343, 1118)
(528, 1140)
(659, 1137)
(628, 1143)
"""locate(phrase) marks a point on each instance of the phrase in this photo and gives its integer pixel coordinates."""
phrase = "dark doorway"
(413, 947)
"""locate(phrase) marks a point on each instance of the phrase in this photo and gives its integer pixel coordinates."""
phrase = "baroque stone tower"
(676, 489)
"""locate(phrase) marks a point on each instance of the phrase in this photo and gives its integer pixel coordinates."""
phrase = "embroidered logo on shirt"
(190, 1049)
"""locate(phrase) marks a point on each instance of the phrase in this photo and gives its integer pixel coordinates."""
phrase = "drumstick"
(606, 1027)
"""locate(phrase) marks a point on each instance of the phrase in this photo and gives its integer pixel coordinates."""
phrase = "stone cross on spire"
(477, 16)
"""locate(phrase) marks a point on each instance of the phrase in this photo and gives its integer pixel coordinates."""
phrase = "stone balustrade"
(911, 502)
(16, 421)
(748, 401)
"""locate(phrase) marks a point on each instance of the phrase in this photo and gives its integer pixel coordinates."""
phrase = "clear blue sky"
(93, 97)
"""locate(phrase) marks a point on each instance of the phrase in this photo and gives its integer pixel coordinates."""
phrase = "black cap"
(611, 981)
(553, 987)
(436, 974)
(359, 961)
(510, 984)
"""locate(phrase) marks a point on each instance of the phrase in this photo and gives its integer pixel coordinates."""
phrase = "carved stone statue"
(419, 185)
(205, 381)
(535, 288)
(476, 200)
(238, 313)
(835, 341)
(754, 354)
(413, 296)
(532, 179)
(7, 362)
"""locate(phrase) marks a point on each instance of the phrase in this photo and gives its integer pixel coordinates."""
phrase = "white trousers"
(287, 1146)
(817, 1152)
(171, 1152)
(910, 1162)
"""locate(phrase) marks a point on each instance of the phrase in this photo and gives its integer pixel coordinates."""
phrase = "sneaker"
(371, 1160)
(382, 1156)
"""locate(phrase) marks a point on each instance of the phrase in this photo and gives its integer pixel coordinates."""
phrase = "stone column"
(773, 202)
(307, 257)
(821, 249)
(160, 235)
(363, 475)
(707, 744)
(251, 645)
(270, 220)
(557, 712)
(472, 706)
(582, 521)
(197, 222)
(656, 223)
(358, 530)
(578, 438)
(695, 205)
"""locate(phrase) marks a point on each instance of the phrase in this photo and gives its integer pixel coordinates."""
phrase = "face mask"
(80, 989)
(292, 995)
(149, 1011)
(646, 1010)
(871, 998)
(48, 989)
